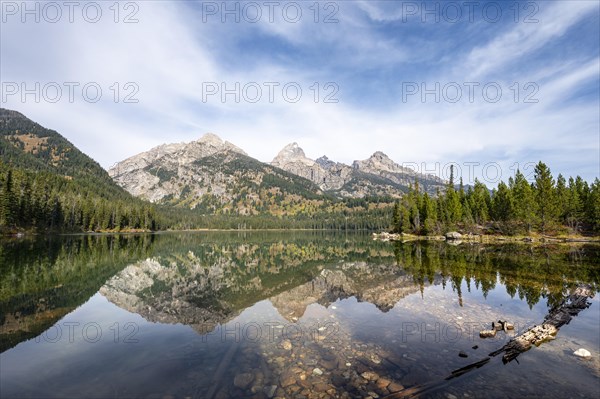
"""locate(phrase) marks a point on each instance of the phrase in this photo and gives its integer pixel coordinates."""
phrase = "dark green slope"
(27, 145)
(46, 183)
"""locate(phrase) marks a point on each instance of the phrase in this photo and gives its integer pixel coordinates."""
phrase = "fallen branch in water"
(218, 376)
(536, 335)
(463, 370)
(555, 319)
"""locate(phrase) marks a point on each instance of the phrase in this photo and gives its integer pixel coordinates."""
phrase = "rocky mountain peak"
(214, 141)
(292, 159)
(211, 138)
(378, 162)
(325, 162)
(291, 153)
(380, 156)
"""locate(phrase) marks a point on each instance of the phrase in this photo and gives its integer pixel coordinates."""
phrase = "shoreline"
(457, 238)
(454, 238)
(26, 234)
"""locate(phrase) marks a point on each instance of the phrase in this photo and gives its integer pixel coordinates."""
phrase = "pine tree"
(415, 208)
(593, 206)
(8, 211)
(453, 208)
(502, 203)
(24, 213)
(479, 202)
(545, 196)
(56, 215)
(524, 203)
(585, 193)
(401, 218)
(562, 198)
(467, 214)
(429, 215)
(461, 190)
(450, 202)
(573, 207)
(396, 217)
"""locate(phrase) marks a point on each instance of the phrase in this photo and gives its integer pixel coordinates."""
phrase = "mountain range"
(46, 183)
(209, 171)
(212, 176)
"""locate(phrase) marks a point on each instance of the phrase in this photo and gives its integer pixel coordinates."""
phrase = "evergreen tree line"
(517, 207)
(45, 201)
(347, 220)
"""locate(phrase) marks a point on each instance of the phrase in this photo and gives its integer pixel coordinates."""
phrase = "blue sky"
(374, 58)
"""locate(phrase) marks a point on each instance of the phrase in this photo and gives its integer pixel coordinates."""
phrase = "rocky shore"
(455, 238)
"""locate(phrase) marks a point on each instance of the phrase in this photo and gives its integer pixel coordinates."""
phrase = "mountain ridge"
(209, 174)
(377, 175)
(180, 173)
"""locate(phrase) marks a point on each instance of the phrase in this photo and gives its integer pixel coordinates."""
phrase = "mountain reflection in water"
(342, 304)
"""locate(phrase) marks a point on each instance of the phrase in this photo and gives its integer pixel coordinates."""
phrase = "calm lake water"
(299, 315)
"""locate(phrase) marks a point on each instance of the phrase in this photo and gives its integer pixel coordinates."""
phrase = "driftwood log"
(536, 335)
(556, 318)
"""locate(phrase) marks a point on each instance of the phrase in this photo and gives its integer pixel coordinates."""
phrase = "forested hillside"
(47, 184)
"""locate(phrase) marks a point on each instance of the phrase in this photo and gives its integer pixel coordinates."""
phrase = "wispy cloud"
(554, 20)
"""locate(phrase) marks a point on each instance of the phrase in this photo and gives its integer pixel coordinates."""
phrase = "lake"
(288, 314)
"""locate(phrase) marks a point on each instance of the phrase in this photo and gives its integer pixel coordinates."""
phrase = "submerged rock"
(286, 344)
(382, 383)
(243, 380)
(287, 378)
(453, 235)
(584, 353)
(270, 390)
(487, 333)
(395, 387)
(370, 376)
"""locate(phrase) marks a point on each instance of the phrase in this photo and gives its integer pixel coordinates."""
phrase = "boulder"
(287, 378)
(584, 353)
(453, 235)
(370, 376)
(243, 380)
